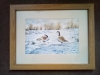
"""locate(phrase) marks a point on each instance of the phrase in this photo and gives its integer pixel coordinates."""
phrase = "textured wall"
(4, 37)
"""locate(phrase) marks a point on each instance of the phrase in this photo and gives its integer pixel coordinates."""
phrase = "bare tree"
(58, 26)
(30, 27)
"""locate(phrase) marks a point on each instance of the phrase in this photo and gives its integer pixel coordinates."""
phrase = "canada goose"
(43, 38)
(61, 38)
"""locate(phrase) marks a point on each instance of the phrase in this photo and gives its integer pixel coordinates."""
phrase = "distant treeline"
(51, 26)
(72, 24)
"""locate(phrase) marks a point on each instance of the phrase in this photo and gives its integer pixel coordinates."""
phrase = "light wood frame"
(91, 36)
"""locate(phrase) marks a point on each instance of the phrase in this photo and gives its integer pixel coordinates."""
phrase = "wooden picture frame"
(48, 66)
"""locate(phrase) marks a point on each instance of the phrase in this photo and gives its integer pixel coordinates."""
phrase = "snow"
(52, 45)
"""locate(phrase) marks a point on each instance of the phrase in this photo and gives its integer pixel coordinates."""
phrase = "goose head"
(58, 33)
(46, 35)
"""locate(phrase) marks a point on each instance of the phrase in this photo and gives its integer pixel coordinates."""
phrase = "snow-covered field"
(52, 45)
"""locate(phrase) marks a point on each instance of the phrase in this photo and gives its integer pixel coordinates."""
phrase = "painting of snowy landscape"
(51, 36)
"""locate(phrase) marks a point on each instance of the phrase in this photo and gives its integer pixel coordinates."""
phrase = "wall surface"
(4, 37)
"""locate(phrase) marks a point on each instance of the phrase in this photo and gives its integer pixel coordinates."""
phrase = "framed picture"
(52, 37)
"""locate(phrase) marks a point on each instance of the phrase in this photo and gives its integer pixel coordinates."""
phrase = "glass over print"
(52, 36)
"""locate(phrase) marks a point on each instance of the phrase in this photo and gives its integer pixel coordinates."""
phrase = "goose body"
(43, 38)
(61, 38)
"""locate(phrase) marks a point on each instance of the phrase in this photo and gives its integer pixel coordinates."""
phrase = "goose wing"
(62, 39)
